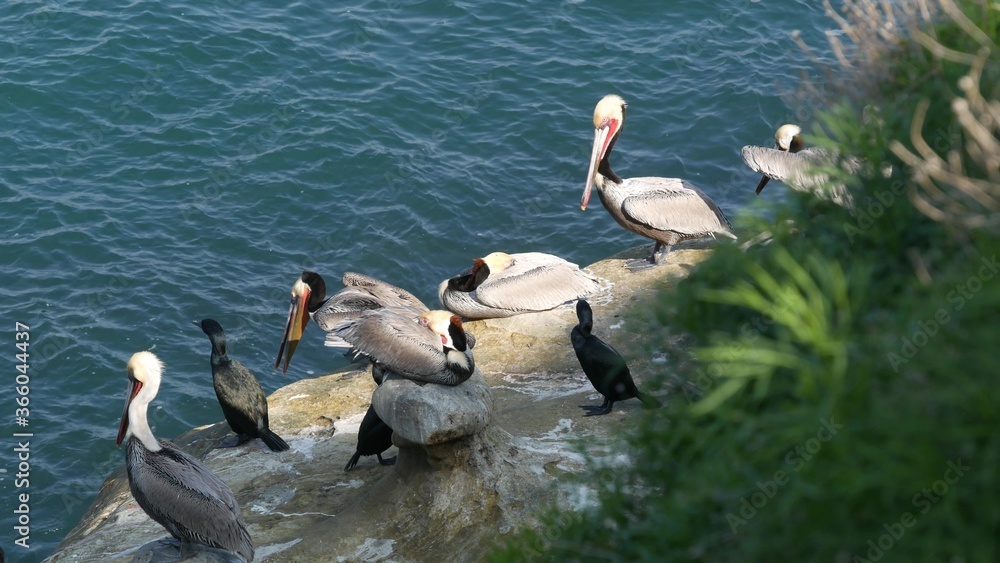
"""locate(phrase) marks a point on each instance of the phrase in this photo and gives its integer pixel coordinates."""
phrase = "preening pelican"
(797, 167)
(360, 293)
(501, 285)
(239, 393)
(172, 487)
(430, 347)
(667, 210)
(604, 366)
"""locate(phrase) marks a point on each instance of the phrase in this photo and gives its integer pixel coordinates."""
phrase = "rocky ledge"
(475, 461)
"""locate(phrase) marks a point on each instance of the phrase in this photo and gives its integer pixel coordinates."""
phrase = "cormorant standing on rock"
(242, 400)
(605, 368)
(374, 437)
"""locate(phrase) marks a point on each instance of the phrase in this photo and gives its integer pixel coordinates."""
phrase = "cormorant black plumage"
(242, 400)
(603, 365)
(374, 437)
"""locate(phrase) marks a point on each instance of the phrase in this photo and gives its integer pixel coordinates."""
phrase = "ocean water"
(167, 162)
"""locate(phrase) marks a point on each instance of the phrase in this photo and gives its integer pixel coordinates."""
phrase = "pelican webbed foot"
(639, 264)
(389, 461)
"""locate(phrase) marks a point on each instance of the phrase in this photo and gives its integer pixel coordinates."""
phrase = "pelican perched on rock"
(239, 393)
(174, 488)
(797, 167)
(667, 210)
(604, 366)
(501, 285)
(430, 347)
(360, 293)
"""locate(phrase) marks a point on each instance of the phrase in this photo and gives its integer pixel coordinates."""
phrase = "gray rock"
(428, 414)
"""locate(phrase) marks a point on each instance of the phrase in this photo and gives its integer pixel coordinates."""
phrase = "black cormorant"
(374, 437)
(603, 365)
(243, 401)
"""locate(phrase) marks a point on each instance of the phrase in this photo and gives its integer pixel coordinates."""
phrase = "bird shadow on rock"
(170, 550)
(435, 499)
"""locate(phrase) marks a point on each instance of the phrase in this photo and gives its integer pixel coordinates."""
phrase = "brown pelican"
(171, 486)
(430, 347)
(501, 285)
(360, 293)
(797, 167)
(242, 400)
(604, 366)
(667, 210)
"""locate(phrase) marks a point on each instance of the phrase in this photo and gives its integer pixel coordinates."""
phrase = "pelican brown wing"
(804, 170)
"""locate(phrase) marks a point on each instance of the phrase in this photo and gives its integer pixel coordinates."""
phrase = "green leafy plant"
(810, 307)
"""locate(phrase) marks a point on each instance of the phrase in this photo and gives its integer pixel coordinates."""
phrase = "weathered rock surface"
(429, 414)
(475, 467)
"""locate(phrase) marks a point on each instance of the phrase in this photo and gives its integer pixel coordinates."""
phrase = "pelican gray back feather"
(393, 340)
(802, 171)
(185, 497)
(672, 204)
(532, 281)
(362, 293)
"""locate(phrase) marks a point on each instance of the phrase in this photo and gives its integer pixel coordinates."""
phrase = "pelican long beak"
(760, 186)
(298, 318)
(602, 136)
(134, 386)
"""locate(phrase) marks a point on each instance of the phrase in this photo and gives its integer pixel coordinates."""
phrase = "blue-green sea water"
(164, 162)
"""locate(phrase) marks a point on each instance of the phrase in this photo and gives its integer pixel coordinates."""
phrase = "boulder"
(428, 414)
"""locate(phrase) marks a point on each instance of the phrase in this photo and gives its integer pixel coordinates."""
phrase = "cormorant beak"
(298, 318)
(134, 386)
